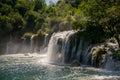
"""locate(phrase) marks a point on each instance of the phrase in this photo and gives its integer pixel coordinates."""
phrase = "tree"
(74, 3)
(111, 22)
(101, 16)
(39, 5)
(5, 9)
(23, 6)
(79, 25)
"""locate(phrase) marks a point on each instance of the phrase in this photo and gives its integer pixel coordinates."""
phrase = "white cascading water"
(63, 48)
(45, 41)
(45, 44)
(31, 43)
(57, 45)
(79, 50)
(8, 46)
(87, 55)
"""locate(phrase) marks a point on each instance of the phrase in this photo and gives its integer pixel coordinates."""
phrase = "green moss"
(99, 51)
(97, 56)
(27, 35)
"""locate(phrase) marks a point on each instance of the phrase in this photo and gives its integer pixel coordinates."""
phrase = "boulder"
(75, 63)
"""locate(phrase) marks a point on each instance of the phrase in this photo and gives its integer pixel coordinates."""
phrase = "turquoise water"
(35, 67)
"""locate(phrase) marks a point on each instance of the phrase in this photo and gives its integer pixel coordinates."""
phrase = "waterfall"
(65, 49)
(58, 46)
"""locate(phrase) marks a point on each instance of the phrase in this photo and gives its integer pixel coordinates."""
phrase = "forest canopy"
(96, 19)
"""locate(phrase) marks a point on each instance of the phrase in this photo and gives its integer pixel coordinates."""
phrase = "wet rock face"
(102, 55)
(98, 56)
(112, 64)
(75, 63)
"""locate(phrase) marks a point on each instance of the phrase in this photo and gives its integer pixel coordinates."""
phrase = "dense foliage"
(97, 19)
(21, 16)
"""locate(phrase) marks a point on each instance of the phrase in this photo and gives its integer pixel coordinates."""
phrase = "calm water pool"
(35, 67)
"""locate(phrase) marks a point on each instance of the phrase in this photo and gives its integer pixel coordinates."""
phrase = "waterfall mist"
(15, 46)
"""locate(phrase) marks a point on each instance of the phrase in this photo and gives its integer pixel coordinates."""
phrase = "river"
(35, 67)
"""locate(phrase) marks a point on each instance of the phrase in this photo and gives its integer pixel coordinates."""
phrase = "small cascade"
(46, 41)
(23, 45)
(31, 44)
(45, 44)
(8, 46)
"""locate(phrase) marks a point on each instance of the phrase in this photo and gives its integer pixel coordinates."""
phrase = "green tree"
(111, 22)
(39, 5)
(23, 6)
(79, 25)
(5, 9)
(102, 18)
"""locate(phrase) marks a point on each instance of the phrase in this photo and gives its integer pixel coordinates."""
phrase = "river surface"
(35, 67)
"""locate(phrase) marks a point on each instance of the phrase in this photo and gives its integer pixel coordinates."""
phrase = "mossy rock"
(99, 51)
(27, 35)
(97, 56)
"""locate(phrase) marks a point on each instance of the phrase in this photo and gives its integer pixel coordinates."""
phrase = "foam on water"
(35, 67)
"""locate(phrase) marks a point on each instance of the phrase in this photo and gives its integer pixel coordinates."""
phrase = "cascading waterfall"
(58, 46)
(64, 48)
